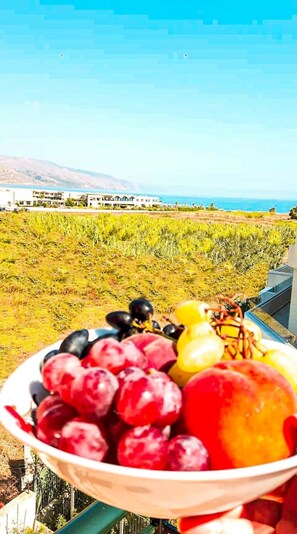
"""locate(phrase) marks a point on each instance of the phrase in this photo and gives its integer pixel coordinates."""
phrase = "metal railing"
(100, 518)
(272, 317)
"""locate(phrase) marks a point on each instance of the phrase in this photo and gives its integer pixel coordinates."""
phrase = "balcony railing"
(272, 316)
(100, 518)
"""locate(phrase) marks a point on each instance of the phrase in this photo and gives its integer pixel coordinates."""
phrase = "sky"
(188, 97)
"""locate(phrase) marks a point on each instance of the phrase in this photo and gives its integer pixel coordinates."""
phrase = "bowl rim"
(10, 424)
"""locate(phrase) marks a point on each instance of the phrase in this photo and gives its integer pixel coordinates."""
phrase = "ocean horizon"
(223, 203)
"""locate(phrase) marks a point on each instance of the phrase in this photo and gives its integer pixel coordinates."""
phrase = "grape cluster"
(110, 399)
(138, 319)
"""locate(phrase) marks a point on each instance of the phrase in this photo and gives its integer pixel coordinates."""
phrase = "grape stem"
(146, 326)
(244, 342)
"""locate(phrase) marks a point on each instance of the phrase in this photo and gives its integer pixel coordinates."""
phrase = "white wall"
(18, 513)
(9, 196)
(6, 197)
(23, 194)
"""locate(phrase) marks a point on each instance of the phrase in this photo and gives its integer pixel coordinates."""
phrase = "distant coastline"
(223, 203)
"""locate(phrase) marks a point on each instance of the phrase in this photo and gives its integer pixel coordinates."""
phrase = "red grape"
(67, 379)
(139, 401)
(187, 453)
(83, 438)
(172, 399)
(144, 447)
(112, 355)
(50, 424)
(127, 372)
(54, 369)
(107, 354)
(115, 427)
(47, 404)
(92, 392)
(134, 357)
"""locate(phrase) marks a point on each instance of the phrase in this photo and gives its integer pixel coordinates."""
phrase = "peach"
(238, 409)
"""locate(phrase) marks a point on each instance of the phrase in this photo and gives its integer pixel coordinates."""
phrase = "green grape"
(178, 376)
(192, 311)
(202, 352)
(192, 332)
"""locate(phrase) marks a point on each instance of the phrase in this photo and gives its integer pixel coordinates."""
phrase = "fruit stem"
(148, 327)
(244, 341)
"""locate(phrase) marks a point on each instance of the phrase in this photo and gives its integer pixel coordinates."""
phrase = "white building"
(96, 200)
(10, 197)
(22, 197)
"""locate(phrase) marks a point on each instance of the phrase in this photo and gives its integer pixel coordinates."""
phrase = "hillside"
(29, 171)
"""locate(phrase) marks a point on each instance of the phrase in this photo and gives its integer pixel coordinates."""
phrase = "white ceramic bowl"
(162, 494)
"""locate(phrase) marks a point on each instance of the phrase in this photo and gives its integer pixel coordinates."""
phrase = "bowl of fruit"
(195, 417)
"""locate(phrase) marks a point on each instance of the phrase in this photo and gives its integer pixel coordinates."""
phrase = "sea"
(223, 203)
(232, 203)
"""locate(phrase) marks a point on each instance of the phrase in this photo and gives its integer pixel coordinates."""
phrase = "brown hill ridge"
(29, 171)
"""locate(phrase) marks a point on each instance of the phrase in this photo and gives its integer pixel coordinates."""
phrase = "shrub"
(293, 213)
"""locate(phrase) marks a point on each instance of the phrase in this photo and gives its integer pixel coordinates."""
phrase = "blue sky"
(193, 97)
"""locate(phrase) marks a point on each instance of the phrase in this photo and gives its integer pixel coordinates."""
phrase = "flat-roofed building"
(10, 197)
(48, 197)
(13, 196)
(96, 200)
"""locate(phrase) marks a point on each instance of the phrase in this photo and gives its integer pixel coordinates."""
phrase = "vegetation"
(62, 272)
(293, 212)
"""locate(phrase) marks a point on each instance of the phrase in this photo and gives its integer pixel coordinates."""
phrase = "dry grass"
(229, 217)
(11, 455)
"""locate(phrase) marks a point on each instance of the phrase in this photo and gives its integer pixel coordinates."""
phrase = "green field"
(64, 272)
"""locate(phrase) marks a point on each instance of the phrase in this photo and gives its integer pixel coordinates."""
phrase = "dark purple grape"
(121, 320)
(38, 392)
(141, 309)
(47, 357)
(133, 330)
(173, 330)
(75, 343)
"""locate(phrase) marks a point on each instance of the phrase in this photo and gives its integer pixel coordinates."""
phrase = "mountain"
(29, 171)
